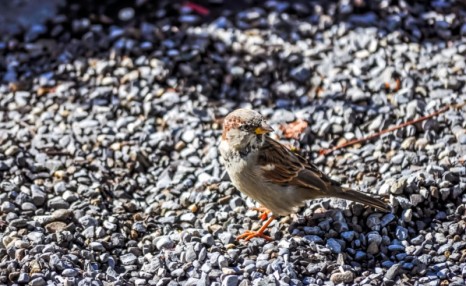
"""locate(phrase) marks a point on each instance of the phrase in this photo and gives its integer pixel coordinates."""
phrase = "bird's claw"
(250, 234)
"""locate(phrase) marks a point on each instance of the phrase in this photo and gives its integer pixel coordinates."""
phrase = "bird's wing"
(281, 166)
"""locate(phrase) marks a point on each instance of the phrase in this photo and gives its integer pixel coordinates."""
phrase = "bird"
(271, 174)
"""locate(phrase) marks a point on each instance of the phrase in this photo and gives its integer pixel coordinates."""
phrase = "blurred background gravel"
(110, 114)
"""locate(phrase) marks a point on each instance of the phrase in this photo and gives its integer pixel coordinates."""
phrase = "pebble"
(348, 235)
(226, 238)
(440, 238)
(58, 203)
(333, 245)
(342, 277)
(128, 259)
(188, 136)
(164, 242)
(361, 255)
(23, 278)
(18, 223)
(386, 219)
(208, 239)
(188, 217)
(126, 14)
(401, 233)
(39, 281)
(28, 207)
(314, 238)
(393, 271)
(69, 272)
(230, 280)
(407, 215)
(38, 196)
(398, 186)
(35, 237)
(7, 207)
(55, 226)
(396, 247)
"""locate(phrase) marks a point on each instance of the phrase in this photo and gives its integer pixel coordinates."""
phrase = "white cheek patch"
(269, 167)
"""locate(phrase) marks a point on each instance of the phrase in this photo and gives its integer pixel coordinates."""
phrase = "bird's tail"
(352, 195)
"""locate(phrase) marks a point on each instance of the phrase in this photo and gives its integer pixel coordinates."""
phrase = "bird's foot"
(250, 234)
(263, 212)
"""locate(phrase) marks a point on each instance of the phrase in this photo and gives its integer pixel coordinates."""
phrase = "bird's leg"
(249, 234)
(263, 212)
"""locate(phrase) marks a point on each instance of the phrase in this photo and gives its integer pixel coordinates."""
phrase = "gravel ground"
(110, 118)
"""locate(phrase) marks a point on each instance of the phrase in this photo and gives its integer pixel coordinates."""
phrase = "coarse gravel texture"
(110, 117)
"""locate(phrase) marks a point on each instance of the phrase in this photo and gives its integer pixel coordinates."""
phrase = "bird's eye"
(246, 127)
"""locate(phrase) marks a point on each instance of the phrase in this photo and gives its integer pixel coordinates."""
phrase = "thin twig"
(355, 141)
(197, 8)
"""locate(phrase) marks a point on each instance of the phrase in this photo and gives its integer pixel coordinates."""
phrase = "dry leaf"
(293, 129)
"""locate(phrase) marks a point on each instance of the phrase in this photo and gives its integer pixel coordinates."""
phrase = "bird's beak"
(263, 129)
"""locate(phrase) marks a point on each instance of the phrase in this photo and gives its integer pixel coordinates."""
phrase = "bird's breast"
(246, 176)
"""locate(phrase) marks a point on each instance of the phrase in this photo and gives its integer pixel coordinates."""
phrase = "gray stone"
(398, 186)
(236, 202)
(58, 203)
(95, 245)
(393, 272)
(35, 237)
(39, 281)
(69, 272)
(190, 254)
(38, 195)
(188, 217)
(230, 280)
(59, 188)
(226, 237)
(163, 242)
(18, 223)
(334, 245)
(23, 278)
(342, 277)
(208, 239)
(7, 207)
(314, 238)
(401, 233)
(348, 235)
(188, 135)
(128, 259)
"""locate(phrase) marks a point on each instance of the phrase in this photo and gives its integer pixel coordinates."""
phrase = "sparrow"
(268, 172)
